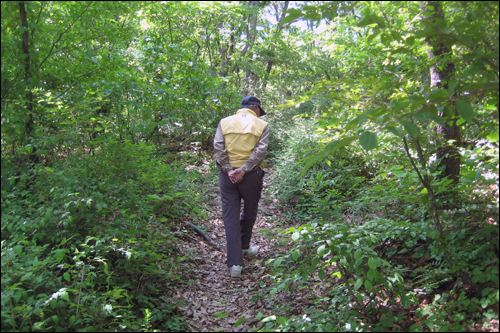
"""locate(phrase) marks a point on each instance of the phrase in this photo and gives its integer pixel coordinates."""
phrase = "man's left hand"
(236, 176)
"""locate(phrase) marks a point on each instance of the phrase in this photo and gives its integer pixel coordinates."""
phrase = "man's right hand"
(236, 176)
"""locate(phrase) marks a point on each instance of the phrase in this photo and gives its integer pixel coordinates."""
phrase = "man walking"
(240, 145)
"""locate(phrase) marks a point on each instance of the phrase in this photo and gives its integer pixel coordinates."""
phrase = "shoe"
(252, 251)
(236, 271)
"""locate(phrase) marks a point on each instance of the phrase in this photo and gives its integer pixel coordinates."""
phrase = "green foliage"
(326, 184)
(110, 102)
(370, 277)
(80, 241)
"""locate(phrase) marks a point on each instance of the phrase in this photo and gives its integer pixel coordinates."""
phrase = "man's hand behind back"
(236, 176)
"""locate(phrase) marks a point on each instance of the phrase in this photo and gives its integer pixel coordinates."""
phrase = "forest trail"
(215, 301)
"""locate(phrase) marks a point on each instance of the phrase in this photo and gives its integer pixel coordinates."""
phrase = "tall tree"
(251, 34)
(442, 71)
(28, 80)
(279, 28)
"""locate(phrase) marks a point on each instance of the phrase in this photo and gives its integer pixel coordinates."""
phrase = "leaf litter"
(214, 301)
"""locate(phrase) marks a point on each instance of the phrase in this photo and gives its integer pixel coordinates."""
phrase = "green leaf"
(239, 322)
(397, 131)
(321, 250)
(293, 14)
(64, 295)
(395, 35)
(353, 123)
(357, 254)
(259, 315)
(370, 275)
(478, 174)
(372, 264)
(18, 249)
(296, 255)
(464, 109)
(385, 38)
(365, 21)
(368, 140)
(405, 301)
(314, 262)
(410, 127)
(372, 36)
(451, 86)
(321, 274)
(368, 286)
(59, 253)
(438, 119)
(282, 321)
(493, 136)
(438, 95)
(336, 145)
(358, 284)
(49, 169)
(370, 19)
(277, 263)
(67, 276)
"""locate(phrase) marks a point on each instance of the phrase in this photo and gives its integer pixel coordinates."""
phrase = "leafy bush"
(334, 179)
(83, 239)
(374, 273)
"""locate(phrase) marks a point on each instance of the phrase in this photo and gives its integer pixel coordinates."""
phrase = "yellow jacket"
(241, 134)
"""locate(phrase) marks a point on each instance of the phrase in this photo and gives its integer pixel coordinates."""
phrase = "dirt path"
(215, 302)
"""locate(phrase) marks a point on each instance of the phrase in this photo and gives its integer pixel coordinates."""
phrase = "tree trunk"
(251, 30)
(28, 123)
(250, 27)
(441, 72)
(270, 61)
(226, 53)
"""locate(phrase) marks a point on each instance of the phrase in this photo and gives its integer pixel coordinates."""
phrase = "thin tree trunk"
(273, 45)
(251, 30)
(28, 123)
(441, 72)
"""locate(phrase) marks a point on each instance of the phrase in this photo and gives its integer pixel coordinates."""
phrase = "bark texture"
(28, 123)
(441, 71)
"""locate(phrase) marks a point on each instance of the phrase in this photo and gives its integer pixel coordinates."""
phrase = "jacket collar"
(246, 111)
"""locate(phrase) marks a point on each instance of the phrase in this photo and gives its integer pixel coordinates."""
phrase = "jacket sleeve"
(220, 151)
(258, 153)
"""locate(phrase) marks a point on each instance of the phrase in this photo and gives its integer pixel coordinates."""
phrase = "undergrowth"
(86, 243)
(367, 243)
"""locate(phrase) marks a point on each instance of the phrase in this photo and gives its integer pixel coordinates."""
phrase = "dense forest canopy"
(383, 192)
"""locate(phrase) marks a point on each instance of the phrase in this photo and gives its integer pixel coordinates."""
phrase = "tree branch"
(437, 223)
(203, 235)
(60, 36)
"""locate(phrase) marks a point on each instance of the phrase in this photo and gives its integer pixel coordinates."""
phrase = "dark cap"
(250, 100)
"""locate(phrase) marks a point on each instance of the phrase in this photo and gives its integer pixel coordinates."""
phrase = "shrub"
(335, 179)
(83, 238)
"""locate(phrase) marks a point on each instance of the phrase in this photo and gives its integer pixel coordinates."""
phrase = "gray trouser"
(239, 229)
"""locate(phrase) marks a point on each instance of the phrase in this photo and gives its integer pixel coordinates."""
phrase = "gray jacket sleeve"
(220, 150)
(258, 153)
